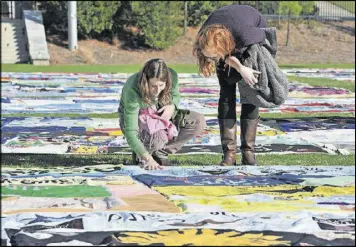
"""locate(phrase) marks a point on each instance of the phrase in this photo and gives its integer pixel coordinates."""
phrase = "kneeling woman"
(150, 119)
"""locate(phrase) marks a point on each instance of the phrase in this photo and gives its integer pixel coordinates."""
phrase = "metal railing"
(322, 10)
(13, 9)
(7, 10)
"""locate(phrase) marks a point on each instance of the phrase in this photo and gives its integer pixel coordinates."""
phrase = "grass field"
(26, 160)
(322, 82)
(180, 68)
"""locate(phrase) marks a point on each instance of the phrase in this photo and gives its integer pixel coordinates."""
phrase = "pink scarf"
(155, 130)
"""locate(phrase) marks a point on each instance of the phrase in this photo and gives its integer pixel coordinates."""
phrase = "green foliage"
(272, 7)
(124, 16)
(156, 24)
(307, 7)
(96, 16)
(289, 7)
(267, 7)
(93, 17)
(160, 21)
(296, 8)
(198, 11)
(54, 15)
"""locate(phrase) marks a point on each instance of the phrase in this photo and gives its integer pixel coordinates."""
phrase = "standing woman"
(220, 47)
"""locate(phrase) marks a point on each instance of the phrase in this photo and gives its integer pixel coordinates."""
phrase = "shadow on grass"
(77, 160)
(52, 160)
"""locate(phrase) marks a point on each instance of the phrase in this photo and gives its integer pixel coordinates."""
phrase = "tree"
(198, 11)
(94, 17)
(55, 17)
(185, 17)
(160, 21)
(289, 8)
(308, 7)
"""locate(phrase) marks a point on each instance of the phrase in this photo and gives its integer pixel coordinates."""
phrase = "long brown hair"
(155, 68)
(213, 37)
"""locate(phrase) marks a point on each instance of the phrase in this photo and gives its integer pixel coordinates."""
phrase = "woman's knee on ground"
(197, 121)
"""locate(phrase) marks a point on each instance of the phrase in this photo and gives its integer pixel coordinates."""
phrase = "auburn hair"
(155, 68)
(216, 38)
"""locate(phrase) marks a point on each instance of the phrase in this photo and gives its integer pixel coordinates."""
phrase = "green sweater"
(130, 104)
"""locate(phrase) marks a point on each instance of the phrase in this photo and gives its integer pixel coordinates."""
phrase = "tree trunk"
(288, 29)
(185, 17)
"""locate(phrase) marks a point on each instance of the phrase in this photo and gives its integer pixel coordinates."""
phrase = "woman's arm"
(246, 72)
(234, 62)
(131, 111)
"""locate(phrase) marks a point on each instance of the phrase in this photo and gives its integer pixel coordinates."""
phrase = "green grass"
(55, 160)
(347, 5)
(126, 68)
(70, 68)
(319, 66)
(85, 191)
(180, 68)
(323, 82)
(299, 115)
(272, 159)
(306, 114)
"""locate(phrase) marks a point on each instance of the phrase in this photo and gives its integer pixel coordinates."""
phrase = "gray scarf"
(272, 87)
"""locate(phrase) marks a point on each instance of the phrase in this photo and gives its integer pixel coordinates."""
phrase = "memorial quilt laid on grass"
(119, 205)
(46, 94)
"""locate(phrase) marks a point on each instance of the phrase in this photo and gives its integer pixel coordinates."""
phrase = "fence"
(7, 9)
(13, 9)
(322, 10)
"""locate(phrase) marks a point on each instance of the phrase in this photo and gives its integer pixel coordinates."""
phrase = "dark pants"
(227, 100)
